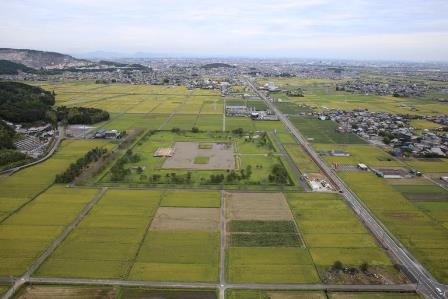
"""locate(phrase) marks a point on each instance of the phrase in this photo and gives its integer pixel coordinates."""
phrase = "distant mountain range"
(41, 59)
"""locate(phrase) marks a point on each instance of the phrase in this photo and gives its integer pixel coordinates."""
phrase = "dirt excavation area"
(257, 206)
(220, 156)
(186, 219)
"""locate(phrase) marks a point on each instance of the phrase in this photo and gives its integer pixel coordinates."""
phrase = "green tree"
(338, 265)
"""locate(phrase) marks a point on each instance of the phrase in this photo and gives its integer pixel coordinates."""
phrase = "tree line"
(76, 168)
(81, 115)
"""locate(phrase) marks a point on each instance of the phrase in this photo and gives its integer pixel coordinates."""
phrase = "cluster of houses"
(33, 141)
(394, 130)
(245, 111)
(271, 87)
(441, 119)
(107, 134)
(397, 88)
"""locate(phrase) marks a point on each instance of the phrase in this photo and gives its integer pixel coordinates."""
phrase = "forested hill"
(217, 65)
(11, 68)
(41, 59)
(24, 103)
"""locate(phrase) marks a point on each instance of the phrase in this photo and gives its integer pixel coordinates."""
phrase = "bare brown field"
(426, 196)
(257, 206)
(186, 219)
(413, 181)
(46, 292)
(220, 156)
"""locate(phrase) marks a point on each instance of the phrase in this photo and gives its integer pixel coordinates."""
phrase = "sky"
(403, 30)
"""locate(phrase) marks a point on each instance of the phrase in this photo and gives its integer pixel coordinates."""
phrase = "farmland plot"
(107, 240)
(27, 233)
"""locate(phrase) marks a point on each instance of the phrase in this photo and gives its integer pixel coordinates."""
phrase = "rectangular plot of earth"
(206, 156)
(186, 219)
(257, 206)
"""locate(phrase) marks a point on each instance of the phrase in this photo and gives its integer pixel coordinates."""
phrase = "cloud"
(331, 28)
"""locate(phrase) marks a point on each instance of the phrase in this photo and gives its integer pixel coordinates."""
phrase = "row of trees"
(118, 172)
(232, 176)
(279, 175)
(76, 168)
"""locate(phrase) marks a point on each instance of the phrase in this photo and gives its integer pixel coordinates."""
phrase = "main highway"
(427, 285)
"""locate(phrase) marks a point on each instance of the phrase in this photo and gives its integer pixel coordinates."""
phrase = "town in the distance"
(236, 178)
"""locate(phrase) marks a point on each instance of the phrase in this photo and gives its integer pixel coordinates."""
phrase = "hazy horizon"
(313, 29)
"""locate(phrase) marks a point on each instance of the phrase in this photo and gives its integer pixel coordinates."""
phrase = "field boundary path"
(166, 284)
(222, 251)
(427, 284)
(25, 278)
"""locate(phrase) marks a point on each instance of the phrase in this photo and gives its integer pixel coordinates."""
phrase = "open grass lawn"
(270, 265)
(300, 158)
(205, 199)
(178, 256)
(247, 153)
(27, 233)
(107, 240)
(413, 224)
(201, 160)
(233, 123)
(367, 154)
(323, 131)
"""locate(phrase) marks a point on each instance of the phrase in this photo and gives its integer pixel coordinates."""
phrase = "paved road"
(426, 283)
(222, 251)
(48, 155)
(162, 284)
(292, 165)
(41, 259)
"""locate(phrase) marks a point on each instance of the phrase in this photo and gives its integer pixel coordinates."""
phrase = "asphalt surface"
(426, 283)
